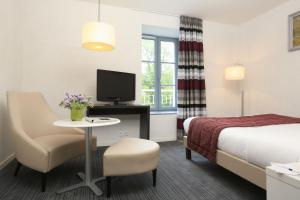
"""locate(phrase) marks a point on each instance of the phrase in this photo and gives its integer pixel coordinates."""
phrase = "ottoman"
(130, 156)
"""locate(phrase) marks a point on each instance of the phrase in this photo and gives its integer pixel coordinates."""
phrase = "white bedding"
(261, 145)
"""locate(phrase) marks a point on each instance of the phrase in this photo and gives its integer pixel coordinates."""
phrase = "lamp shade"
(235, 73)
(98, 36)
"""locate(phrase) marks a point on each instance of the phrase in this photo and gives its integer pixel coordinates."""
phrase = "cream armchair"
(38, 144)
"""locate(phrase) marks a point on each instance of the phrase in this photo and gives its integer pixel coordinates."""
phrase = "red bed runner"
(204, 131)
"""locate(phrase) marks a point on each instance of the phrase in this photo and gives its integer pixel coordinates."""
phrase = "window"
(159, 74)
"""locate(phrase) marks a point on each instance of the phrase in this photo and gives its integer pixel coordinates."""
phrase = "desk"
(143, 111)
(86, 177)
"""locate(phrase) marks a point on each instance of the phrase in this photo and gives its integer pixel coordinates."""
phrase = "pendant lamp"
(98, 36)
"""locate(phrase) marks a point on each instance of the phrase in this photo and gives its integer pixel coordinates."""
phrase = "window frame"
(158, 65)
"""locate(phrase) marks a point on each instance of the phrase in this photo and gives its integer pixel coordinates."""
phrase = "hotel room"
(136, 99)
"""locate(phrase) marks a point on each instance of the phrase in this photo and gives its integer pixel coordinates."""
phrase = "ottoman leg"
(188, 154)
(44, 181)
(17, 168)
(154, 172)
(108, 186)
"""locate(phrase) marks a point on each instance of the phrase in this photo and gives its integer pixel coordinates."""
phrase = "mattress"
(260, 145)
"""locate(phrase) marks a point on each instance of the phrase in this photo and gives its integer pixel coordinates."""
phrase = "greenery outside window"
(159, 72)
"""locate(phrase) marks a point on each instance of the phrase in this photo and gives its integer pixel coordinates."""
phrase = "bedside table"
(282, 186)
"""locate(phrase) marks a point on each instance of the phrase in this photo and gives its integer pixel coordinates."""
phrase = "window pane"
(168, 97)
(148, 50)
(148, 73)
(167, 74)
(148, 95)
(168, 52)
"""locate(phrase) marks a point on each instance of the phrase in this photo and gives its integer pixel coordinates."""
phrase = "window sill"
(163, 112)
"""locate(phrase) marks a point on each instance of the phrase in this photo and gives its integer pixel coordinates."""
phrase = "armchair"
(38, 144)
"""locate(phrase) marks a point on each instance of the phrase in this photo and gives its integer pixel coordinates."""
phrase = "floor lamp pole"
(242, 102)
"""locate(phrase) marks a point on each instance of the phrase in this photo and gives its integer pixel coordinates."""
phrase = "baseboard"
(166, 139)
(105, 143)
(109, 142)
(6, 161)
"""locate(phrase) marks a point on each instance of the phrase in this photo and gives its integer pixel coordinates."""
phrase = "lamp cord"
(99, 2)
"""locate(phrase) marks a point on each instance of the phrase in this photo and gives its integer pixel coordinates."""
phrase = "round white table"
(86, 177)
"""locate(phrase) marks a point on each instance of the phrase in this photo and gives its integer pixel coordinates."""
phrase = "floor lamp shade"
(98, 36)
(235, 73)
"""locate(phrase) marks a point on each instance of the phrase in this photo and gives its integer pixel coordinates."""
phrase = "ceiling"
(223, 11)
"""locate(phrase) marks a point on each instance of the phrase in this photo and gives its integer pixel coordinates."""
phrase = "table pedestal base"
(90, 184)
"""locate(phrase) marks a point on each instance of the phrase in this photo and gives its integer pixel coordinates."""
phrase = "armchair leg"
(154, 172)
(17, 168)
(108, 186)
(188, 154)
(44, 181)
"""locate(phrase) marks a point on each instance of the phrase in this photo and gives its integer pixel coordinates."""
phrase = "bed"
(246, 151)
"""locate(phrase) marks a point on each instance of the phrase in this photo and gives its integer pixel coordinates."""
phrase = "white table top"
(85, 124)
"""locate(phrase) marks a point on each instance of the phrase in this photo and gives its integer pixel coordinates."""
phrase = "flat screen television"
(115, 86)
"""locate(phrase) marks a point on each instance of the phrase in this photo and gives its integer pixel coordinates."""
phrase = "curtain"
(191, 81)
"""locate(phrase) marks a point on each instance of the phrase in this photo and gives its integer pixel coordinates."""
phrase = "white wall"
(40, 50)
(273, 74)
(53, 61)
(10, 70)
(50, 59)
(220, 50)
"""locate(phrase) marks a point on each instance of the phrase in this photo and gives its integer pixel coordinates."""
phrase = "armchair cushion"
(63, 147)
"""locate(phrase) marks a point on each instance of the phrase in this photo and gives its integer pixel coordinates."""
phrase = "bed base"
(240, 167)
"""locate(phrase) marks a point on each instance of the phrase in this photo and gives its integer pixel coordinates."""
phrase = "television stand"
(116, 102)
(141, 110)
(119, 104)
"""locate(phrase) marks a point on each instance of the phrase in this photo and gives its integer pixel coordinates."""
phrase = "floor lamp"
(236, 73)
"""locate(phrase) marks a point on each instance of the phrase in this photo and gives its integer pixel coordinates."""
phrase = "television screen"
(115, 86)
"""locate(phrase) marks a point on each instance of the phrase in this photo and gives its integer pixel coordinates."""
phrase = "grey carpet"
(178, 178)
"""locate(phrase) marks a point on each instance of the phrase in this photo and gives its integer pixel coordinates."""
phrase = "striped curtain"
(191, 82)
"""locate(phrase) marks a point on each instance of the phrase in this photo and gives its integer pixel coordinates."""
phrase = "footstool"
(130, 156)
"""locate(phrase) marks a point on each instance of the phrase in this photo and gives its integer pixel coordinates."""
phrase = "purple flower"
(76, 101)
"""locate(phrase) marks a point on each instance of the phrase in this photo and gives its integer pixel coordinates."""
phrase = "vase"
(77, 114)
